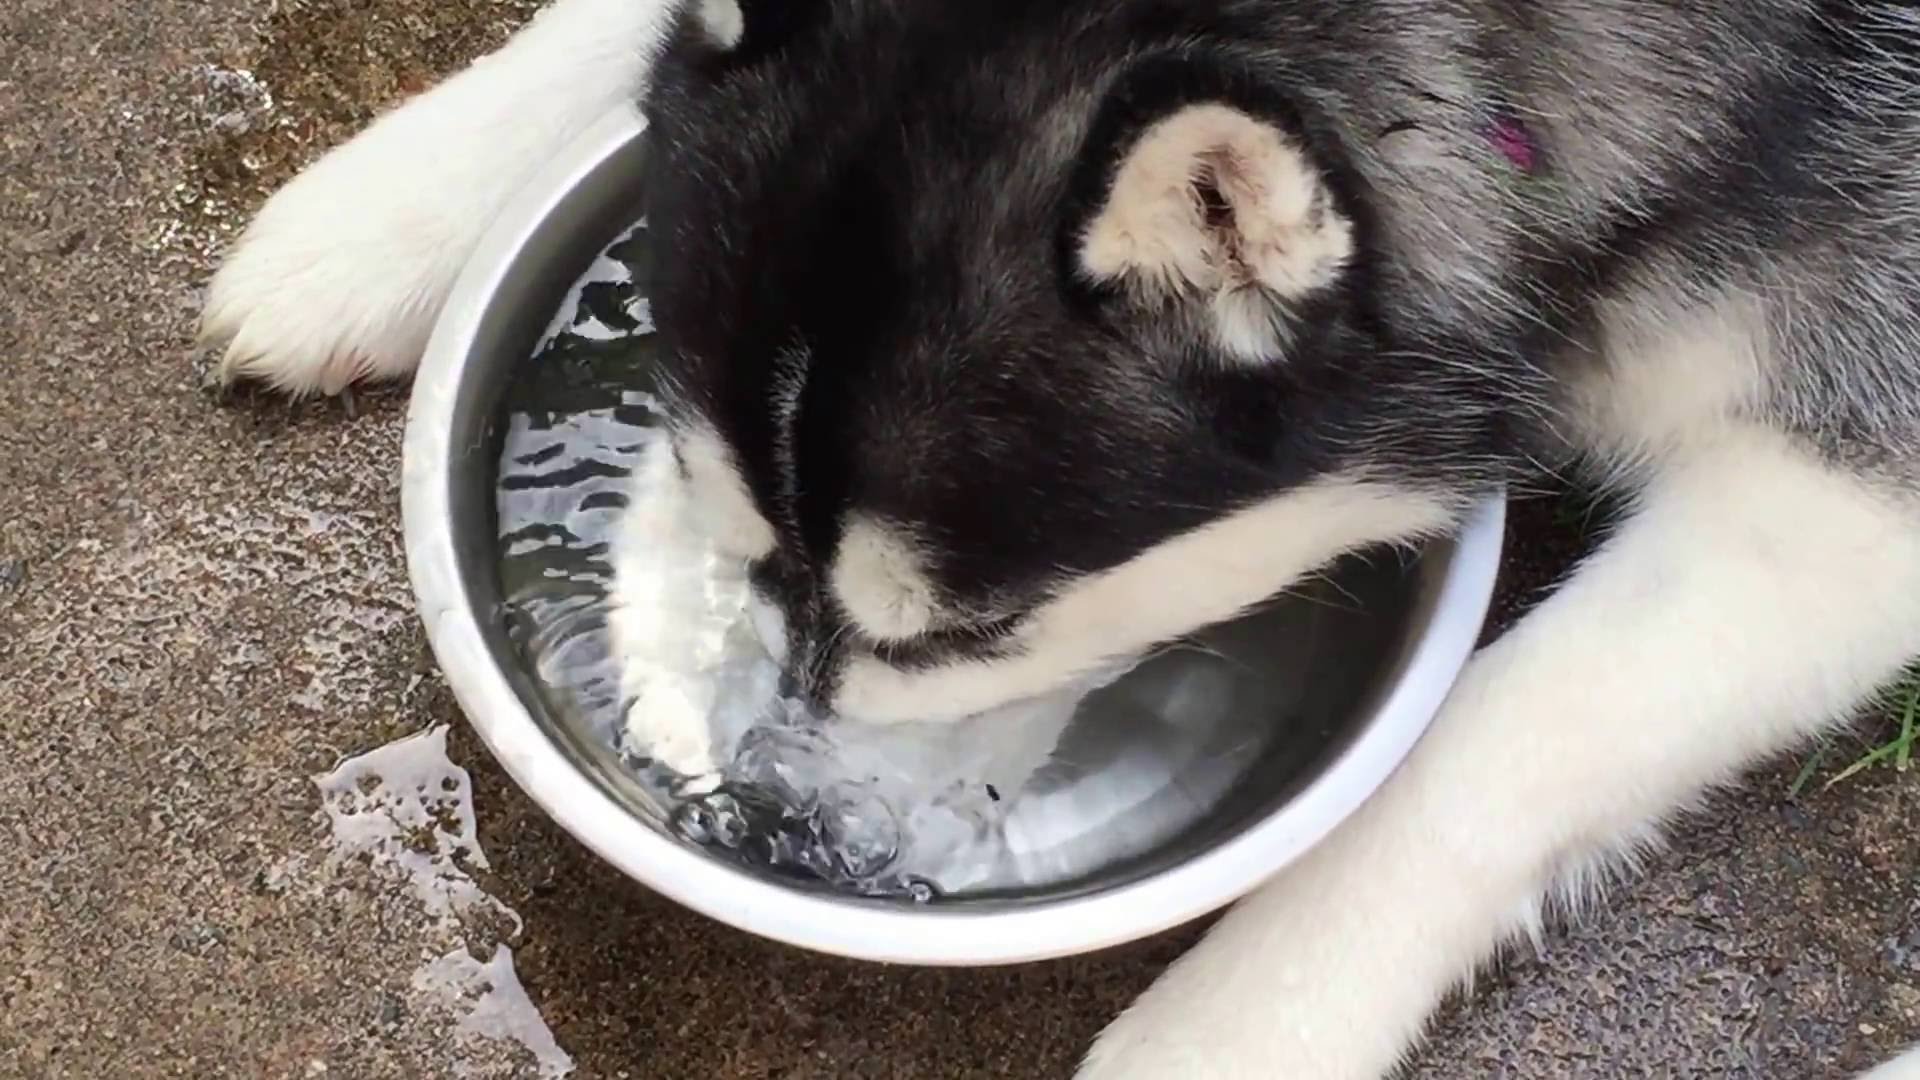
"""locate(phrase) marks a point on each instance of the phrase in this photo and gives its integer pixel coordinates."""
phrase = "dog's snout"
(789, 684)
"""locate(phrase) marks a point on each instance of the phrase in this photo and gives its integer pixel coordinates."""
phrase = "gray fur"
(1753, 163)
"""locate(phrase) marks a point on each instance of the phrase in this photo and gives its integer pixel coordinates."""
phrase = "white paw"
(341, 275)
(1236, 1007)
(1160, 1037)
(1130, 1049)
(1904, 1067)
(1327, 972)
(1235, 1010)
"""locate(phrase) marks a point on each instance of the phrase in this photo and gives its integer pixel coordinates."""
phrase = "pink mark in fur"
(1515, 142)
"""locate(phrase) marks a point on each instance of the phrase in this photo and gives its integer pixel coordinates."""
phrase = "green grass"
(1897, 750)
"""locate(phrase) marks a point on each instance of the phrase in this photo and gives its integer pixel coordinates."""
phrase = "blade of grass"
(1807, 769)
(1908, 718)
(1875, 757)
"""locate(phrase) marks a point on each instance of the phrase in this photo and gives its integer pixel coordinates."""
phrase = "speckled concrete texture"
(203, 605)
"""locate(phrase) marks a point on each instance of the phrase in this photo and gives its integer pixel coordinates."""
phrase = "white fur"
(1672, 377)
(1283, 241)
(878, 580)
(1904, 1067)
(1200, 577)
(341, 275)
(724, 21)
(679, 620)
(723, 502)
(1755, 597)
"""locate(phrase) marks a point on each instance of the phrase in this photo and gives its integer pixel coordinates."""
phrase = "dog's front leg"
(343, 272)
(1754, 596)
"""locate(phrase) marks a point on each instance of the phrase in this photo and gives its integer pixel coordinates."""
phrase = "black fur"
(884, 220)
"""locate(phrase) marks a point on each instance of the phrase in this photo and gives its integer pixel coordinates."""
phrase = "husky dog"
(1012, 338)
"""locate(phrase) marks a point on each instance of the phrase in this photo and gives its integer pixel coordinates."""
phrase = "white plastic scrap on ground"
(499, 1009)
(407, 807)
(408, 810)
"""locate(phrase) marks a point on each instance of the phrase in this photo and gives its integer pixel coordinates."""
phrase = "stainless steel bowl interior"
(1415, 627)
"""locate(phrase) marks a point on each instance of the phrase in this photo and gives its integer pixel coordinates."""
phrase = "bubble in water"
(692, 821)
(710, 819)
(863, 835)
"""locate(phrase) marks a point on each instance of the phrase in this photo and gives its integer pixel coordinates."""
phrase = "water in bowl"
(640, 641)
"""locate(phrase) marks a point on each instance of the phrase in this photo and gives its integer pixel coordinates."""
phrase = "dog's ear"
(748, 29)
(1213, 205)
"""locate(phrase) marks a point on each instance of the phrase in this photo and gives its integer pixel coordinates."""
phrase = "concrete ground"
(203, 606)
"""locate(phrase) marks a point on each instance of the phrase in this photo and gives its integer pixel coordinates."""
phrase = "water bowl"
(1166, 795)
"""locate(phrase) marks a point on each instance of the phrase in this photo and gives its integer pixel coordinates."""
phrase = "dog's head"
(1010, 339)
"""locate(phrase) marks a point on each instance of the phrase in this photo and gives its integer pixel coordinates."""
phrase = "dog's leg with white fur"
(1754, 597)
(342, 273)
(1904, 1067)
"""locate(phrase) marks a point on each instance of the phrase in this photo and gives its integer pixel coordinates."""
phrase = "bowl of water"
(533, 439)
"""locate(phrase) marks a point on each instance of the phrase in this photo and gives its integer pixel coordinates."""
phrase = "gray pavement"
(203, 606)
